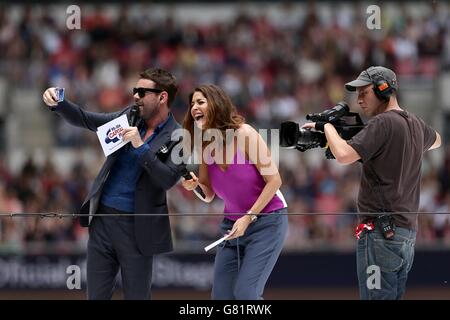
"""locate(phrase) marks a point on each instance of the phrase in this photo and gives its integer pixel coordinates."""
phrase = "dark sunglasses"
(142, 91)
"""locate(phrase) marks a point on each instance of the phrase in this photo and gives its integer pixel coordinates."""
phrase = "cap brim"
(351, 86)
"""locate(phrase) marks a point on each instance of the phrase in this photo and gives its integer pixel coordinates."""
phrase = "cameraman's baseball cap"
(366, 77)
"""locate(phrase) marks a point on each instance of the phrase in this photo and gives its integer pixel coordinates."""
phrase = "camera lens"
(288, 134)
(308, 137)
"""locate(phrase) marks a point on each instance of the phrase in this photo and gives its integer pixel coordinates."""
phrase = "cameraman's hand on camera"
(318, 126)
(49, 97)
(309, 125)
(190, 184)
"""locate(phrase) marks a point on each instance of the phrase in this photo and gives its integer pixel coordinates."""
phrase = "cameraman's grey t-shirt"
(391, 148)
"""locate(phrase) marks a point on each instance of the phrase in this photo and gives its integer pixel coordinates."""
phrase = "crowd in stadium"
(275, 69)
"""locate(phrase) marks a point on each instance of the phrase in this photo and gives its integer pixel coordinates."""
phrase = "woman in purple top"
(237, 167)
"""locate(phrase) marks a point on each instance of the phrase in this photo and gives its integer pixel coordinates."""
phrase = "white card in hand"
(217, 242)
(110, 134)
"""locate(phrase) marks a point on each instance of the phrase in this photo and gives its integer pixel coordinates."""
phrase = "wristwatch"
(252, 215)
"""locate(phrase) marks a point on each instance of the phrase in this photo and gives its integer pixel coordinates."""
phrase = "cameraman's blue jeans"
(394, 259)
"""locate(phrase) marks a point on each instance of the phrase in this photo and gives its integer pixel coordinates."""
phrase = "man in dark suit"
(132, 181)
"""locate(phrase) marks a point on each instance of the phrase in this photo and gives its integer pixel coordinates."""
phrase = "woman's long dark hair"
(221, 113)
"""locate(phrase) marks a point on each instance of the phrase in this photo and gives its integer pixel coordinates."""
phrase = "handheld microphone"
(133, 120)
(188, 176)
(134, 116)
(165, 150)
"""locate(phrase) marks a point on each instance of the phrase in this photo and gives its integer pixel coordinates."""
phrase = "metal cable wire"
(75, 215)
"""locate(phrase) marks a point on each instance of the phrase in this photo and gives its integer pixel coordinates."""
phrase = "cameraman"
(390, 147)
